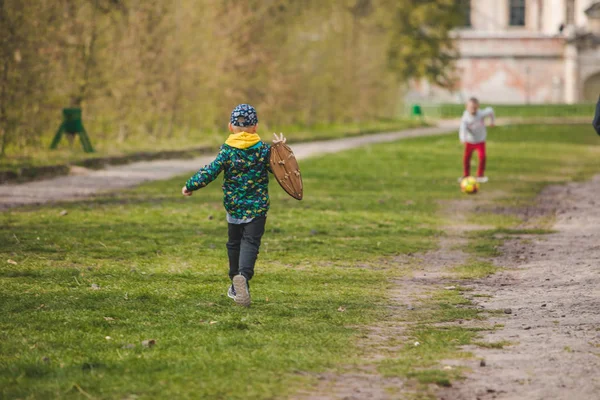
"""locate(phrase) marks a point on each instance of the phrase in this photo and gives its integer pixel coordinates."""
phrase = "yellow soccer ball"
(469, 185)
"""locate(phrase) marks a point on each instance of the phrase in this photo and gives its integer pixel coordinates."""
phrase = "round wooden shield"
(286, 170)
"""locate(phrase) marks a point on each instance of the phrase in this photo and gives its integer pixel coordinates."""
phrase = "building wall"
(591, 88)
(509, 69)
(531, 64)
(512, 70)
(553, 15)
(510, 46)
(581, 20)
(589, 64)
(489, 15)
(512, 80)
(542, 16)
(501, 81)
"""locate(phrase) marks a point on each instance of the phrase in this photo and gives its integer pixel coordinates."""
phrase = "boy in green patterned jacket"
(244, 158)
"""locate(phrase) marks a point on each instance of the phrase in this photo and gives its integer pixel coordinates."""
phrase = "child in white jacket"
(473, 134)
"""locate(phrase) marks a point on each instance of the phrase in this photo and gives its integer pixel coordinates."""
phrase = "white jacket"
(472, 127)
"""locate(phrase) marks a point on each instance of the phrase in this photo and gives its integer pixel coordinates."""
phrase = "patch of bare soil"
(357, 385)
(552, 199)
(550, 291)
(424, 273)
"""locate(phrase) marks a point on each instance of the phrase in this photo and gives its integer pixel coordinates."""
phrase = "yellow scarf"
(242, 140)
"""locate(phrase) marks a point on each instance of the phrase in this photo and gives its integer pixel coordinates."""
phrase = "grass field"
(516, 110)
(107, 145)
(83, 290)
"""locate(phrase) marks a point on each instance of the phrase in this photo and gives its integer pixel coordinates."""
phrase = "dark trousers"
(243, 245)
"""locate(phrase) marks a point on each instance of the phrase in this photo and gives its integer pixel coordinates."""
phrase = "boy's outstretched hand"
(279, 139)
(186, 192)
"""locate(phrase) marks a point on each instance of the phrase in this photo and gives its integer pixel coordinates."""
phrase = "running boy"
(473, 134)
(244, 158)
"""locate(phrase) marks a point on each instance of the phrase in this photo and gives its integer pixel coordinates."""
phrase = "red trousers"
(469, 149)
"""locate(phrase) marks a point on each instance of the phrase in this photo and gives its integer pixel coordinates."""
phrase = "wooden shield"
(286, 169)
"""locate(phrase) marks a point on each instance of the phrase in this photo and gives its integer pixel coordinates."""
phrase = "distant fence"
(451, 111)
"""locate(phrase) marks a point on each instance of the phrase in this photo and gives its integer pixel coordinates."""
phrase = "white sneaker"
(242, 294)
(482, 179)
(461, 179)
(231, 292)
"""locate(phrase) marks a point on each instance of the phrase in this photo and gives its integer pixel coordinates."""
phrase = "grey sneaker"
(231, 292)
(482, 179)
(242, 294)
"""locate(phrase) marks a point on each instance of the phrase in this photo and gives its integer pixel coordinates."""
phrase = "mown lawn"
(83, 290)
(110, 145)
(523, 111)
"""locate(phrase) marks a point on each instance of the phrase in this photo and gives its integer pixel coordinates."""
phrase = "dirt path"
(84, 183)
(551, 288)
(421, 273)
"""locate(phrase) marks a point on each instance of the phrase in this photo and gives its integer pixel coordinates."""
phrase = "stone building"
(525, 51)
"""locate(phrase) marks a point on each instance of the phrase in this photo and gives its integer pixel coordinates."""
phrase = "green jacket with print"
(246, 179)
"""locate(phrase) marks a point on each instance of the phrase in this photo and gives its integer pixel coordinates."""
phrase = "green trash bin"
(417, 111)
(73, 125)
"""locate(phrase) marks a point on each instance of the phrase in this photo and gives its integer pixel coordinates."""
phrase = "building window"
(570, 12)
(465, 10)
(517, 13)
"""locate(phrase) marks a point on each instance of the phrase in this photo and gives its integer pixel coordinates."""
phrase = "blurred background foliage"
(152, 70)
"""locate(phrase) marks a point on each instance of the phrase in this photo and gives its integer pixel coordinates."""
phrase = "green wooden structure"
(72, 125)
(417, 111)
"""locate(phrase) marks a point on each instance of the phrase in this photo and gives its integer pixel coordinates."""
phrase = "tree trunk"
(3, 98)
(4, 83)
(89, 57)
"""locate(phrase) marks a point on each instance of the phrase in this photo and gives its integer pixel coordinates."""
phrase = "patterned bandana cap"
(244, 115)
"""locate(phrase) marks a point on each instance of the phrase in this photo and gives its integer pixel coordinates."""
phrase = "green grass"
(340, 130)
(428, 343)
(475, 270)
(149, 264)
(109, 145)
(445, 306)
(519, 110)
